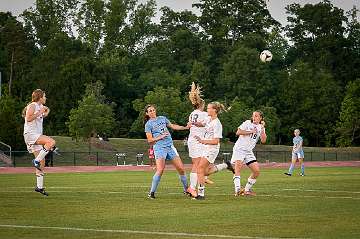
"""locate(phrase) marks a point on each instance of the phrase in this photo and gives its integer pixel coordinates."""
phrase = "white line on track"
(178, 234)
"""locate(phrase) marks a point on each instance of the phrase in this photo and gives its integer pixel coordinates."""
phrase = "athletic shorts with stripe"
(244, 156)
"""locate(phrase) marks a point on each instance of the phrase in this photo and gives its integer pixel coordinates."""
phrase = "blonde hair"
(218, 107)
(195, 96)
(35, 97)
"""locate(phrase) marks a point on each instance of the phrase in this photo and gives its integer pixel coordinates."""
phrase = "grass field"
(78, 152)
(324, 204)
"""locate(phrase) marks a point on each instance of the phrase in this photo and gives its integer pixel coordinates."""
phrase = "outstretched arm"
(178, 127)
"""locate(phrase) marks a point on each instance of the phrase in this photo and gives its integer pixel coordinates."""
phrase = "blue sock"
(291, 169)
(184, 181)
(155, 183)
(303, 168)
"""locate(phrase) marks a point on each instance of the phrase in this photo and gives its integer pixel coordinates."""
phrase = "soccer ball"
(266, 56)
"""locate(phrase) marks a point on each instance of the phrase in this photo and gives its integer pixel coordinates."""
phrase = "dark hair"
(146, 117)
(261, 115)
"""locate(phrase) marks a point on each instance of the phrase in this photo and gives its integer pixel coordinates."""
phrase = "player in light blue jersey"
(297, 154)
(157, 133)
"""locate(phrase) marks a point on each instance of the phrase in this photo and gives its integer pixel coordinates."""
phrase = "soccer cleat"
(191, 192)
(288, 174)
(208, 181)
(151, 195)
(198, 197)
(229, 166)
(36, 164)
(240, 193)
(249, 193)
(42, 191)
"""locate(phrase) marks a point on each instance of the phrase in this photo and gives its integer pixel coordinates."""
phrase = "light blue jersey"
(297, 141)
(157, 127)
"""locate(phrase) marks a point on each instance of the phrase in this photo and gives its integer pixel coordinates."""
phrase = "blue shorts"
(298, 155)
(167, 153)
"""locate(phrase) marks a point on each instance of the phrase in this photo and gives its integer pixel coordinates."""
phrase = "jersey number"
(194, 118)
(253, 136)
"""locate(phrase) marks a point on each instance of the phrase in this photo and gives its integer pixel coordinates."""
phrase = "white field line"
(179, 193)
(177, 234)
(319, 190)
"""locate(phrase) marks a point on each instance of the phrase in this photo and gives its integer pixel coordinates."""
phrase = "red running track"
(92, 169)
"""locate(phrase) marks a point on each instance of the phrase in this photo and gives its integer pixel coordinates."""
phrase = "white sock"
(237, 184)
(201, 190)
(221, 166)
(249, 184)
(42, 154)
(193, 180)
(40, 181)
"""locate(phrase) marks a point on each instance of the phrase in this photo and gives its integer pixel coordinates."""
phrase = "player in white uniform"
(249, 133)
(198, 118)
(37, 143)
(211, 142)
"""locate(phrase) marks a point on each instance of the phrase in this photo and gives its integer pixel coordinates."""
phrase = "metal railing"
(8, 159)
(108, 158)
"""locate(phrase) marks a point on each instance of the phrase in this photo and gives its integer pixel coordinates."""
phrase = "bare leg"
(255, 172)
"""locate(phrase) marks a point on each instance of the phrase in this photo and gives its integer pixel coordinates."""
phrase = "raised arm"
(263, 136)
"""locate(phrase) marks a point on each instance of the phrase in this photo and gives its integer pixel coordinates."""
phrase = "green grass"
(324, 204)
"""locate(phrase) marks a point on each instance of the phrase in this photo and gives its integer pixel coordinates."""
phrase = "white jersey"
(35, 126)
(213, 131)
(200, 117)
(248, 142)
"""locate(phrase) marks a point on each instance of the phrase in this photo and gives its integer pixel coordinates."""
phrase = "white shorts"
(298, 155)
(211, 154)
(30, 141)
(196, 149)
(244, 156)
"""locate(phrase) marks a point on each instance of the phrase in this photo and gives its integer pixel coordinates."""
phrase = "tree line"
(101, 61)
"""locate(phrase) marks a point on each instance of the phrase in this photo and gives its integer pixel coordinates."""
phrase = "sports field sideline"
(323, 204)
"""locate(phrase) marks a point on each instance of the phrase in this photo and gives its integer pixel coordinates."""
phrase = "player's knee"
(160, 171)
(52, 142)
(181, 171)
